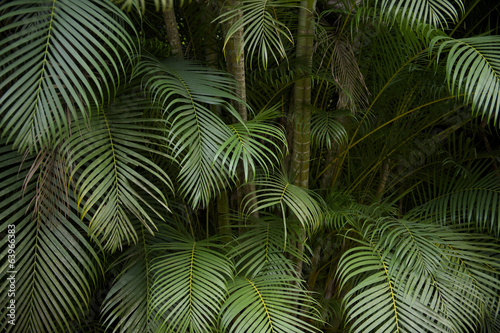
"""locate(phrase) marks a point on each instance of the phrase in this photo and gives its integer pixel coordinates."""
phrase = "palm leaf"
(470, 198)
(248, 145)
(60, 58)
(184, 90)
(473, 69)
(55, 266)
(189, 285)
(109, 162)
(277, 190)
(268, 302)
(264, 245)
(438, 13)
(262, 31)
(326, 130)
(414, 277)
(125, 307)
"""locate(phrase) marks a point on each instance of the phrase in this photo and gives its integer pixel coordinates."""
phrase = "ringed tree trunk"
(235, 59)
(301, 109)
(302, 97)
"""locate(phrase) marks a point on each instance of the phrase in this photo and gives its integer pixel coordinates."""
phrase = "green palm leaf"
(55, 266)
(438, 13)
(126, 305)
(109, 162)
(60, 58)
(262, 31)
(326, 130)
(268, 302)
(264, 245)
(248, 145)
(185, 90)
(473, 69)
(277, 190)
(189, 285)
(414, 277)
(469, 198)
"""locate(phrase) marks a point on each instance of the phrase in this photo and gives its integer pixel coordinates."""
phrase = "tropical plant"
(249, 166)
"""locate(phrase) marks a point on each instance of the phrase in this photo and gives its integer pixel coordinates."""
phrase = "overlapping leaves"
(277, 190)
(438, 13)
(263, 33)
(109, 163)
(55, 267)
(473, 69)
(59, 59)
(251, 144)
(189, 285)
(185, 91)
(414, 277)
(470, 198)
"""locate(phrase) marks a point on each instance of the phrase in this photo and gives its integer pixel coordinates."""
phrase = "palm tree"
(122, 156)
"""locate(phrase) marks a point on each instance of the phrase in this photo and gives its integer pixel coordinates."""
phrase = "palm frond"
(108, 162)
(262, 31)
(345, 71)
(326, 130)
(265, 244)
(469, 198)
(127, 305)
(189, 285)
(438, 13)
(277, 190)
(473, 69)
(413, 277)
(268, 302)
(55, 267)
(60, 58)
(251, 144)
(184, 90)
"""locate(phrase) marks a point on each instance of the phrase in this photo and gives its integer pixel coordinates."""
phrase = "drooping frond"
(326, 130)
(59, 59)
(438, 13)
(263, 33)
(353, 92)
(473, 69)
(416, 277)
(277, 190)
(127, 305)
(470, 198)
(264, 246)
(185, 90)
(189, 285)
(266, 303)
(53, 265)
(256, 143)
(109, 162)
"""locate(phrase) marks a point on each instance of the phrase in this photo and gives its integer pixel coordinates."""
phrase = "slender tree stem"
(173, 35)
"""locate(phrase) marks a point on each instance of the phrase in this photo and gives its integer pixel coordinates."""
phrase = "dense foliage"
(249, 166)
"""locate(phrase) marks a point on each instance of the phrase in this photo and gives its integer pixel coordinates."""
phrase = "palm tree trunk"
(302, 97)
(302, 109)
(173, 36)
(235, 57)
